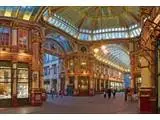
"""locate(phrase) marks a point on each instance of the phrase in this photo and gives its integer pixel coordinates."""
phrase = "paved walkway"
(80, 105)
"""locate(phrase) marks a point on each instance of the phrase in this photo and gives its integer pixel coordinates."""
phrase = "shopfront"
(14, 78)
(5, 83)
(116, 85)
(83, 85)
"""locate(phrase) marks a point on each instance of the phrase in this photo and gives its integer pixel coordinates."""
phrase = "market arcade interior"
(95, 51)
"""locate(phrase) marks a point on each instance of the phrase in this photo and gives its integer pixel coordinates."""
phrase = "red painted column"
(14, 84)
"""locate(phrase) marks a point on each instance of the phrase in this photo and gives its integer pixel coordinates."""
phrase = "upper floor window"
(4, 36)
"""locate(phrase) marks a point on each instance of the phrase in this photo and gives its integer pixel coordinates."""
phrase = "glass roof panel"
(23, 12)
(97, 34)
(63, 42)
(116, 54)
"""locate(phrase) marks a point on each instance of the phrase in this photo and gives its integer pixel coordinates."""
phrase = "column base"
(76, 92)
(44, 95)
(36, 98)
(147, 101)
(14, 101)
(91, 92)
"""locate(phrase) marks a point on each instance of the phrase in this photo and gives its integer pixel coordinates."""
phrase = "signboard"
(35, 76)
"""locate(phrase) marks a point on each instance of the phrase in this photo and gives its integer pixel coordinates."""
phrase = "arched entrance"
(56, 47)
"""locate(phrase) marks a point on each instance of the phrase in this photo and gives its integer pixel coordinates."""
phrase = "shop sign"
(35, 76)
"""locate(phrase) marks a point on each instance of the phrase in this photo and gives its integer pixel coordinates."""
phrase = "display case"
(5, 80)
(83, 85)
(22, 83)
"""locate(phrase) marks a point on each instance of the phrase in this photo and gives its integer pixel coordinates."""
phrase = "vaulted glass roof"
(114, 55)
(20, 12)
(62, 41)
(85, 23)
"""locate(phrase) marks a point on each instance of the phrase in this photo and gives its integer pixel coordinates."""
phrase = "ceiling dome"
(93, 18)
(87, 23)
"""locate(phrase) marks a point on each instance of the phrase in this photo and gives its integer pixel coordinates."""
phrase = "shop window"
(23, 39)
(22, 83)
(83, 83)
(4, 36)
(5, 82)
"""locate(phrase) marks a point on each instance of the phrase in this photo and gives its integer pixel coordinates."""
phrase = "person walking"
(104, 94)
(114, 93)
(61, 93)
(109, 93)
(52, 93)
(126, 94)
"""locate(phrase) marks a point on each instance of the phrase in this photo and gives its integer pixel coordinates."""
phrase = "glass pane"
(22, 74)
(22, 90)
(5, 90)
(5, 74)
(4, 36)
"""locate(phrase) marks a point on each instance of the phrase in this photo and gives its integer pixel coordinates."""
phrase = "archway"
(56, 47)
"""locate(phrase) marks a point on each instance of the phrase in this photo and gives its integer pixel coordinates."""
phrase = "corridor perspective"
(79, 59)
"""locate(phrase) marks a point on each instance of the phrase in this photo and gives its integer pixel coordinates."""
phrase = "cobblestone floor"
(79, 105)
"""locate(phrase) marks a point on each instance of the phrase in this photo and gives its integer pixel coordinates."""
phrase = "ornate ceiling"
(114, 55)
(96, 23)
(93, 18)
(86, 23)
(23, 12)
(61, 41)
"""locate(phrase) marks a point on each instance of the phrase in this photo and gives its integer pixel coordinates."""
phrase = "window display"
(5, 74)
(22, 75)
(5, 82)
(83, 83)
(5, 90)
(22, 85)
(23, 38)
(22, 89)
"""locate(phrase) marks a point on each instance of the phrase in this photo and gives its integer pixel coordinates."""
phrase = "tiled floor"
(80, 105)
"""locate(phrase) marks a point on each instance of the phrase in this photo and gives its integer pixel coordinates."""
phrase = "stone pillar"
(14, 37)
(35, 66)
(91, 86)
(147, 60)
(96, 84)
(76, 92)
(133, 64)
(100, 84)
(76, 82)
(145, 73)
(14, 69)
(14, 84)
(37, 69)
(104, 84)
(147, 89)
(66, 75)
